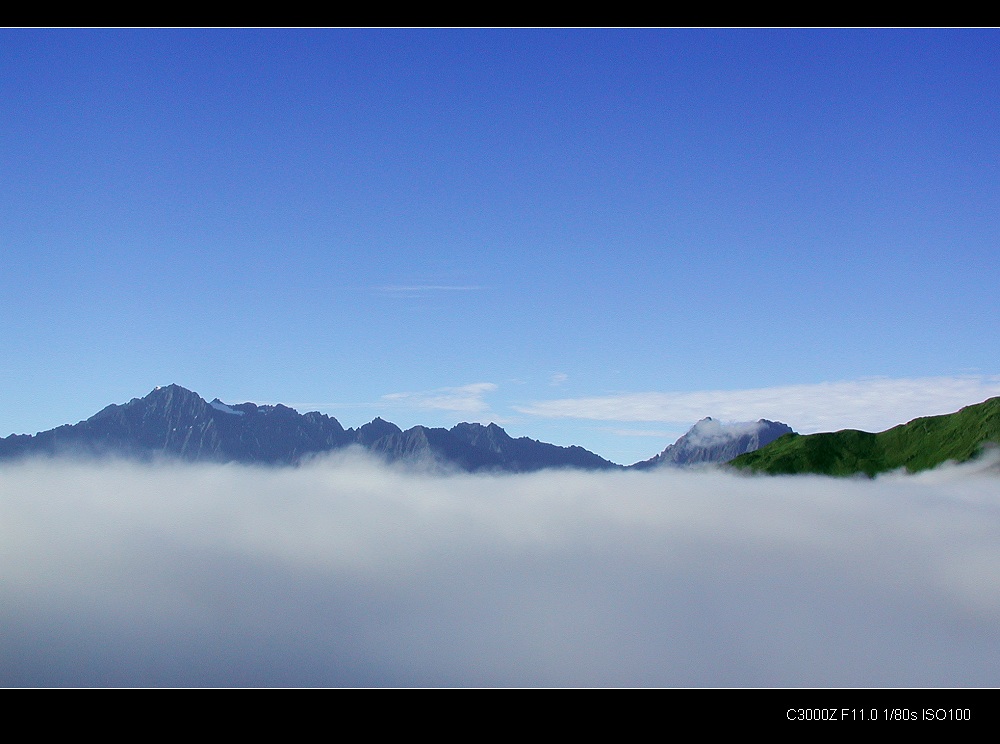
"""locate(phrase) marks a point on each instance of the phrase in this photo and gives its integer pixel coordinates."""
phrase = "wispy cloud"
(464, 399)
(872, 404)
(423, 290)
(558, 378)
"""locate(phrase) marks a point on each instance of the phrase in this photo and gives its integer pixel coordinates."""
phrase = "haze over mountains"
(174, 422)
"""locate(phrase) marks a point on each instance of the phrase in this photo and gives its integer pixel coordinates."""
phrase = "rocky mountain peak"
(710, 441)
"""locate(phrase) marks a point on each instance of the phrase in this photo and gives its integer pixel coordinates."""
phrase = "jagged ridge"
(172, 421)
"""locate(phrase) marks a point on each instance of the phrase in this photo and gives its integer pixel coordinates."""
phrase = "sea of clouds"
(349, 572)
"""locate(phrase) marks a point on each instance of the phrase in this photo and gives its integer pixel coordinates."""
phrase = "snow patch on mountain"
(218, 405)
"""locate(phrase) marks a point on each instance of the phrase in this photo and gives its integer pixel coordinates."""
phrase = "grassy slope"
(918, 445)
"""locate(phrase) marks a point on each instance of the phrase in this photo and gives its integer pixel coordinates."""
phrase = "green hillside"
(918, 445)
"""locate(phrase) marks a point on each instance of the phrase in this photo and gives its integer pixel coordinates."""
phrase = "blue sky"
(592, 237)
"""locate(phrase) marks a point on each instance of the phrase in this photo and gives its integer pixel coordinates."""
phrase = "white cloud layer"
(464, 399)
(344, 572)
(871, 404)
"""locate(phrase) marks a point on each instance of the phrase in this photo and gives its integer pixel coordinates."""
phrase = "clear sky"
(591, 237)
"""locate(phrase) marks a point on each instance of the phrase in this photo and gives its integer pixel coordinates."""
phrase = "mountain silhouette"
(176, 423)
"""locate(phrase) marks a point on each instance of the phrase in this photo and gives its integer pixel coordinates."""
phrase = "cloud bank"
(346, 572)
(872, 404)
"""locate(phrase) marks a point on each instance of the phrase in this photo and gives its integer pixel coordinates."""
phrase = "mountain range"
(174, 422)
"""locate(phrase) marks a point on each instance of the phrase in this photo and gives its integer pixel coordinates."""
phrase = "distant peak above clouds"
(710, 441)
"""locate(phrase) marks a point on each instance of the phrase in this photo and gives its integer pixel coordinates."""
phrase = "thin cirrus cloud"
(872, 404)
(656, 433)
(423, 290)
(463, 399)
